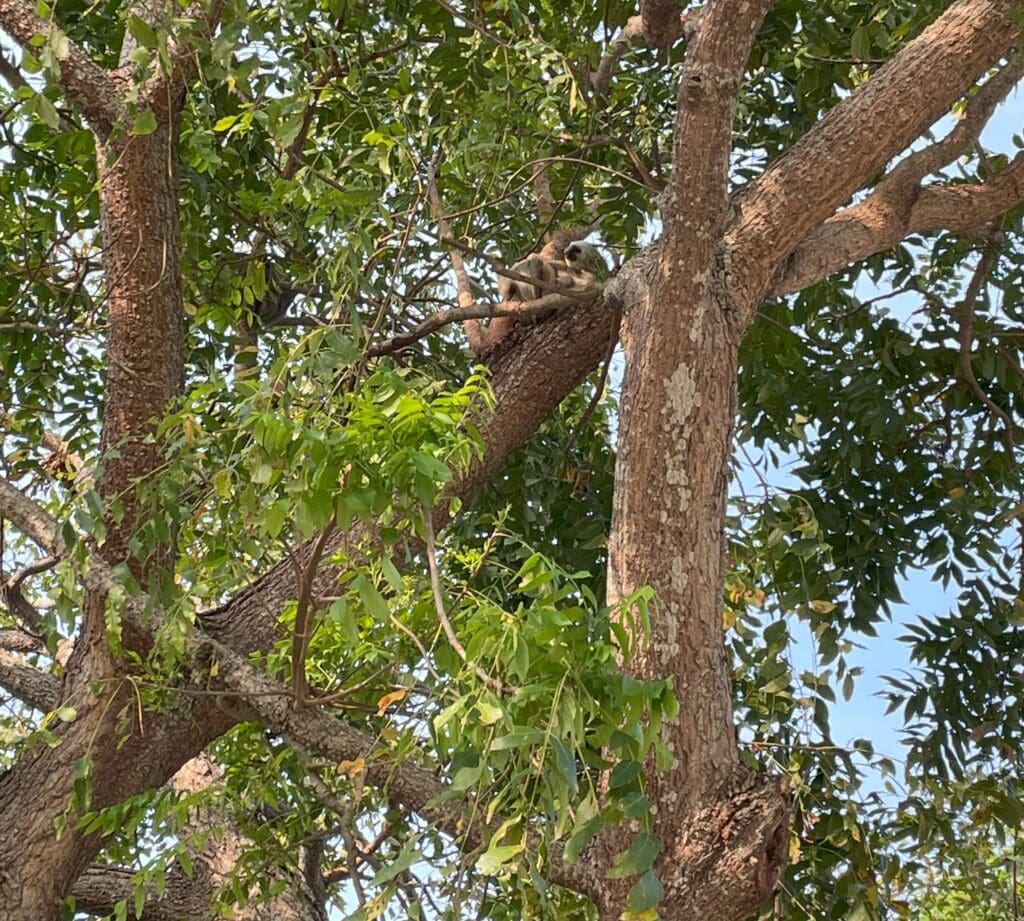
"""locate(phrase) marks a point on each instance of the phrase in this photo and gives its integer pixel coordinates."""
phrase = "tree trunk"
(139, 220)
(723, 826)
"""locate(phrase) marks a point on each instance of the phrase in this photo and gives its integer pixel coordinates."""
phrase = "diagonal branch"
(32, 520)
(95, 90)
(979, 109)
(851, 144)
(878, 223)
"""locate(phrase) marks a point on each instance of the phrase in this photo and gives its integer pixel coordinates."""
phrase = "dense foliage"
(312, 139)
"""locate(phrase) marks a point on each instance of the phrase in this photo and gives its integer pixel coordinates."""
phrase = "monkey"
(581, 266)
(545, 271)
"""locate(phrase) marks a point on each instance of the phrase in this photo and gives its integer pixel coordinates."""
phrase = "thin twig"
(965, 315)
(301, 635)
(442, 614)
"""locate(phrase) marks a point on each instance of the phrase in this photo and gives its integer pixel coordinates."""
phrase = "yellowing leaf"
(388, 699)
(190, 429)
(354, 768)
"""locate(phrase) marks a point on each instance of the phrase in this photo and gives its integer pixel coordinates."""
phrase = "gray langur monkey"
(582, 265)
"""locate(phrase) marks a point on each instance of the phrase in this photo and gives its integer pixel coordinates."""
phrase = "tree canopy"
(332, 585)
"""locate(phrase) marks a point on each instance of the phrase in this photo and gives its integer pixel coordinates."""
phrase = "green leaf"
(646, 893)
(45, 110)
(496, 857)
(581, 837)
(624, 774)
(372, 599)
(141, 31)
(643, 851)
(391, 574)
(520, 737)
(144, 123)
(566, 762)
(407, 856)
(489, 713)
(466, 777)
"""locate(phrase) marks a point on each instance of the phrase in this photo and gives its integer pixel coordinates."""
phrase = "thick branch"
(695, 206)
(99, 889)
(662, 23)
(90, 87)
(36, 688)
(879, 223)
(979, 109)
(32, 520)
(837, 157)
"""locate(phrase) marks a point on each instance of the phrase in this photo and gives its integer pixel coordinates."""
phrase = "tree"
(315, 620)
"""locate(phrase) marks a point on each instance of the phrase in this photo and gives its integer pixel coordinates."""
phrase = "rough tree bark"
(686, 305)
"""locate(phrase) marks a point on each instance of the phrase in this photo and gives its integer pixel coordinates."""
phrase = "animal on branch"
(581, 266)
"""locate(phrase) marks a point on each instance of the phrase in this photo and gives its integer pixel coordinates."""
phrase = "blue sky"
(864, 717)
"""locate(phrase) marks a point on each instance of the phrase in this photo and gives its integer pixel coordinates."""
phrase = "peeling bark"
(676, 422)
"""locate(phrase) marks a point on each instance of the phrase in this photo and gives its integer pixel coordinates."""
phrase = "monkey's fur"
(580, 266)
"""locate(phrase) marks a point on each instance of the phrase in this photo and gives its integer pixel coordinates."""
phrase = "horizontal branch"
(20, 641)
(31, 685)
(519, 309)
(95, 90)
(98, 890)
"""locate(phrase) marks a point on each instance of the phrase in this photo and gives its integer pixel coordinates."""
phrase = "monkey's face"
(583, 257)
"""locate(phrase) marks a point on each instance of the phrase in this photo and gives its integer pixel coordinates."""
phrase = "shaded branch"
(35, 687)
(98, 890)
(95, 90)
(662, 21)
(19, 641)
